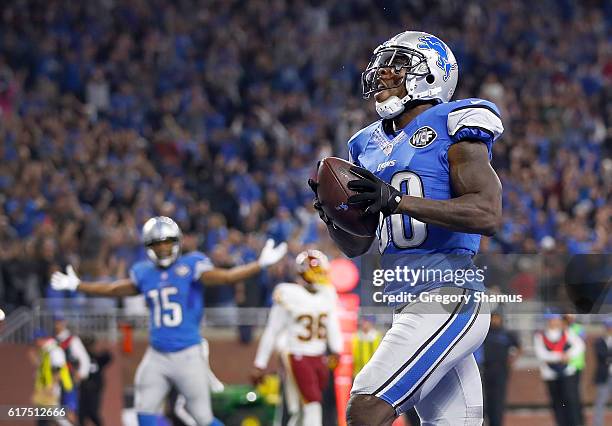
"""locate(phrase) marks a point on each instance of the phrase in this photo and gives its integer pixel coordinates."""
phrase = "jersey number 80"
(394, 224)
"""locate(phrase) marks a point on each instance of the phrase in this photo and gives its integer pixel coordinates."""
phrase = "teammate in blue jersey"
(173, 286)
(424, 169)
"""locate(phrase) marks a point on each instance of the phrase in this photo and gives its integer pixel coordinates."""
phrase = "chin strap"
(166, 261)
(394, 106)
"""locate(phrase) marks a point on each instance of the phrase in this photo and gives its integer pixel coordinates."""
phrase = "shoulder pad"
(362, 131)
(286, 293)
(355, 143)
(328, 289)
(199, 261)
(139, 267)
(474, 118)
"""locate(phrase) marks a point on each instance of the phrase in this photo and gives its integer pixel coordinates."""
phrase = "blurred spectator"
(501, 349)
(554, 347)
(92, 388)
(365, 342)
(77, 359)
(52, 376)
(111, 113)
(578, 362)
(603, 374)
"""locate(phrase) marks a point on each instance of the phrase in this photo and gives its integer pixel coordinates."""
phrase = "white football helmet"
(431, 70)
(162, 228)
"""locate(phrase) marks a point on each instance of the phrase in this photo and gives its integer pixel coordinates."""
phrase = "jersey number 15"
(165, 312)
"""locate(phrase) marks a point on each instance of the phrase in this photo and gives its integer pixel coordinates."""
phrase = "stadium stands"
(111, 112)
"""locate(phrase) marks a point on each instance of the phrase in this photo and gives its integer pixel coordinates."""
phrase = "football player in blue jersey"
(173, 285)
(424, 169)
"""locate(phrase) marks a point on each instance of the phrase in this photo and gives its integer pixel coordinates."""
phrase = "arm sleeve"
(542, 353)
(134, 278)
(202, 265)
(576, 345)
(334, 335)
(276, 322)
(78, 351)
(478, 122)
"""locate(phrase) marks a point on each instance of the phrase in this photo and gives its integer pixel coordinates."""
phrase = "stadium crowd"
(216, 112)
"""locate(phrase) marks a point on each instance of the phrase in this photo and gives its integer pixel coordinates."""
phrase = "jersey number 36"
(314, 327)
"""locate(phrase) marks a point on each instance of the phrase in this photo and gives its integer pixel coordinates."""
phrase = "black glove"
(317, 204)
(375, 194)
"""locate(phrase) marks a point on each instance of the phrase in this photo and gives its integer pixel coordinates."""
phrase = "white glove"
(270, 254)
(67, 281)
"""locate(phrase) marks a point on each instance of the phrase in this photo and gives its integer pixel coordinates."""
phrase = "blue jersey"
(175, 298)
(415, 161)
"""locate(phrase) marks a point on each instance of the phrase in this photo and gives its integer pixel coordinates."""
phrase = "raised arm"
(221, 276)
(119, 288)
(70, 281)
(269, 256)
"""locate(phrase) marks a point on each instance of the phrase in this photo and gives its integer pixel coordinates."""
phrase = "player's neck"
(407, 116)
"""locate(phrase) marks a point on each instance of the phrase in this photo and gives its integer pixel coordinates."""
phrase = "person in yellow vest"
(52, 374)
(578, 362)
(365, 342)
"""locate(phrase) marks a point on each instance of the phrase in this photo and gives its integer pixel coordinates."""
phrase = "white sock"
(313, 414)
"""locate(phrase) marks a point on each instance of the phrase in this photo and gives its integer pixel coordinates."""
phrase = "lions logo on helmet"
(313, 267)
(431, 71)
(159, 229)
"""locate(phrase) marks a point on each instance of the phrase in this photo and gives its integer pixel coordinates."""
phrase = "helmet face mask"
(157, 230)
(396, 58)
(429, 68)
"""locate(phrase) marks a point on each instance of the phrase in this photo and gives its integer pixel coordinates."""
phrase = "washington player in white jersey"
(306, 314)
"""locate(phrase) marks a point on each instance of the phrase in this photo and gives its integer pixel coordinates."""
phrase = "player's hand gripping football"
(271, 254)
(375, 194)
(317, 204)
(68, 281)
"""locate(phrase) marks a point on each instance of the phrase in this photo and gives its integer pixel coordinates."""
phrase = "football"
(333, 177)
